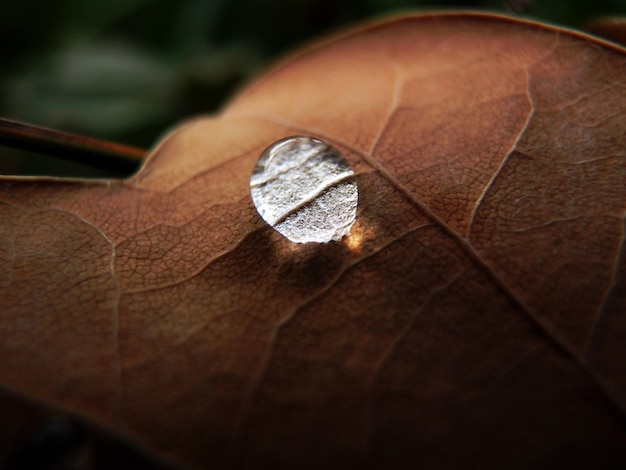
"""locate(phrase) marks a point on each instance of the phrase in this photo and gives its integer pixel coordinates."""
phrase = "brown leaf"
(475, 316)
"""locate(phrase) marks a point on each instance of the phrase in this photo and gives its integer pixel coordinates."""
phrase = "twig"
(86, 150)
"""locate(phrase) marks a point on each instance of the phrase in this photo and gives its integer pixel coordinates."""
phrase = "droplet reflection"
(305, 189)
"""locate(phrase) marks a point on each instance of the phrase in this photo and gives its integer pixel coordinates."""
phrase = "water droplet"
(305, 189)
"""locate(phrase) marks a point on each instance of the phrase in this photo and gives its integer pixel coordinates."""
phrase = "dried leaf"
(475, 316)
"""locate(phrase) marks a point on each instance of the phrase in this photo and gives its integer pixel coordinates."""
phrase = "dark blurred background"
(127, 70)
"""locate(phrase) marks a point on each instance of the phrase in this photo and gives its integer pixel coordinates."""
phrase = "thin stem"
(86, 150)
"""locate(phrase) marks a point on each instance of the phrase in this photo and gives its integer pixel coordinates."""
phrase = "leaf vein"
(265, 363)
(116, 305)
(612, 286)
(504, 161)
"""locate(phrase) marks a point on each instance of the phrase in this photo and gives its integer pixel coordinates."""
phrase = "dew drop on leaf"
(305, 189)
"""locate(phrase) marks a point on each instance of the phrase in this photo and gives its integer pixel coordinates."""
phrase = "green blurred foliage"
(127, 70)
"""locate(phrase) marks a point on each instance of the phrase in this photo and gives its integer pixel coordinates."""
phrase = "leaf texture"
(475, 316)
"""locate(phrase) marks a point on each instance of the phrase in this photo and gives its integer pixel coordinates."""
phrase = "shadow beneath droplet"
(299, 265)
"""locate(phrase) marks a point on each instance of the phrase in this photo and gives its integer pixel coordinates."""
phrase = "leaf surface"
(474, 316)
